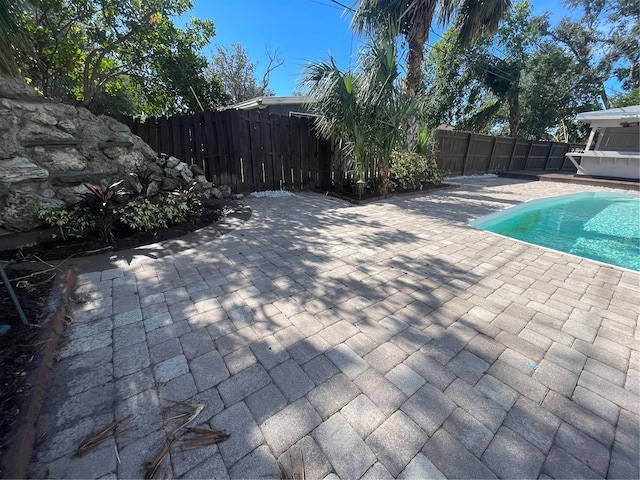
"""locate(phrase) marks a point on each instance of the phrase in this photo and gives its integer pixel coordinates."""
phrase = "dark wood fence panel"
(251, 150)
(248, 150)
(466, 153)
(502, 151)
(452, 149)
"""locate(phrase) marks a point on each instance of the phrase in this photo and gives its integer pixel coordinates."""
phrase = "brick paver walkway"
(390, 340)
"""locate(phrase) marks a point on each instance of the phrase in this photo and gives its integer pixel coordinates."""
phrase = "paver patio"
(383, 341)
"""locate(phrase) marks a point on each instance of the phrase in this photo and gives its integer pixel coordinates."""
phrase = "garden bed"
(125, 238)
(368, 197)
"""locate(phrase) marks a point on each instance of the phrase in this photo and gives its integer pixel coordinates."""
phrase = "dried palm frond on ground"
(199, 437)
(297, 471)
(94, 439)
(152, 467)
(202, 437)
(191, 412)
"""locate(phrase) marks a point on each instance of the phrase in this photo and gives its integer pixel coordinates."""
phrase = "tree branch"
(274, 62)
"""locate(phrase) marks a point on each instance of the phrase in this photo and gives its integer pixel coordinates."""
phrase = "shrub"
(141, 214)
(71, 223)
(141, 179)
(410, 170)
(173, 207)
(100, 201)
(191, 193)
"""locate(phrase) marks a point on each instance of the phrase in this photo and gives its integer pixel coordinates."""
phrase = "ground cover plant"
(118, 215)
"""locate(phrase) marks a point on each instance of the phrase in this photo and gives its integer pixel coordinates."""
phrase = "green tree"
(363, 108)
(119, 56)
(513, 82)
(56, 48)
(12, 39)
(415, 17)
(604, 41)
(237, 72)
(626, 99)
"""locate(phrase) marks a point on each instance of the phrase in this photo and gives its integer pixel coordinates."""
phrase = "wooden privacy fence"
(248, 150)
(466, 153)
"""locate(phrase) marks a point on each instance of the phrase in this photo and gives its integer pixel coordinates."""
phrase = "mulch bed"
(19, 346)
(368, 197)
(57, 249)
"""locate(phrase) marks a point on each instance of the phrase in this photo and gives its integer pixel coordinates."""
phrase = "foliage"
(100, 201)
(12, 40)
(237, 73)
(74, 222)
(141, 179)
(173, 207)
(626, 99)
(410, 170)
(143, 214)
(604, 42)
(130, 51)
(516, 82)
(414, 17)
(362, 109)
(191, 194)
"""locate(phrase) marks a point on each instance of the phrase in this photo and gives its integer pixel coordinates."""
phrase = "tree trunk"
(514, 116)
(412, 86)
(383, 172)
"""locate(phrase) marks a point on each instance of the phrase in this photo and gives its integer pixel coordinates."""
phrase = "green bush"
(141, 214)
(71, 223)
(410, 170)
(174, 207)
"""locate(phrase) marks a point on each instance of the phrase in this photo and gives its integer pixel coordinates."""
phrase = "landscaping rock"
(48, 150)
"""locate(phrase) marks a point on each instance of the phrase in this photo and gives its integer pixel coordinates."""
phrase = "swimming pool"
(600, 226)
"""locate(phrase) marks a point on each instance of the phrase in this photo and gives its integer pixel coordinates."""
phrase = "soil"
(125, 238)
(369, 196)
(18, 346)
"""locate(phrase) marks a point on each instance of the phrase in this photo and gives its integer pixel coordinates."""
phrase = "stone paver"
(389, 340)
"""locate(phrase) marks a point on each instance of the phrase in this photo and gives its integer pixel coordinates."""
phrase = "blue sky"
(301, 30)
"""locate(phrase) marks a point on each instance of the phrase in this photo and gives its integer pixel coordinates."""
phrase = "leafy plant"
(173, 207)
(71, 223)
(141, 214)
(100, 201)
(142, 178)
(191, 193)
(410, 170)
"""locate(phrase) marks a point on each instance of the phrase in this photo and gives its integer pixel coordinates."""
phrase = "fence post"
(546, 160)
(493, 149)
(513, 152)
(526, 159)
(466, 155)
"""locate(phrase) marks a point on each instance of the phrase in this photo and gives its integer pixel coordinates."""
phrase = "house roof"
(612, 116)
(263, 102)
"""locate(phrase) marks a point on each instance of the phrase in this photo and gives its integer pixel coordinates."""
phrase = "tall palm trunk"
(413, 86)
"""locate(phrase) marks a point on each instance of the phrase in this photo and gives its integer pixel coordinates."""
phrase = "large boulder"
(48, 150)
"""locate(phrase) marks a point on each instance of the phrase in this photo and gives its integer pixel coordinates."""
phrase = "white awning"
(611, 117)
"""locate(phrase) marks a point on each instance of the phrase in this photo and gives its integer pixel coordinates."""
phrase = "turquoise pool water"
(599, 226)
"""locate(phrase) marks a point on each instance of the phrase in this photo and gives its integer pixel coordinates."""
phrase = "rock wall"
(48, 150)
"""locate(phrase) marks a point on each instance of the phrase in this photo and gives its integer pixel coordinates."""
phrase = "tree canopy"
(530, 79)
(232, 65)
(118, 56)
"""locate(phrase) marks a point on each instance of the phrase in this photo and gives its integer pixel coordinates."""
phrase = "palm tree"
(471, 18)
(364, 108)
